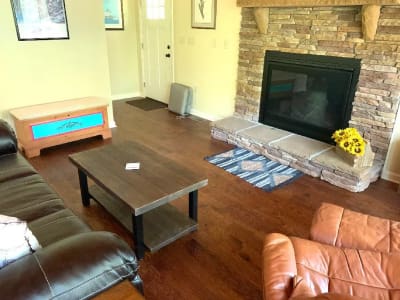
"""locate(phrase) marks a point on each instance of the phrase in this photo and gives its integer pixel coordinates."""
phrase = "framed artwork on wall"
(40, 19)
(113, 15)
(204, 13)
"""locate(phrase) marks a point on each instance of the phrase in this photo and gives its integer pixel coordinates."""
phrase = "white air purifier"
(180, 99)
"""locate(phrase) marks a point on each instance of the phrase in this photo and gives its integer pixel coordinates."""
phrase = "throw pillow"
(16, 240)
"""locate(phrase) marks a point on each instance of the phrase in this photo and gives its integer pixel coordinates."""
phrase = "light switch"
(226, 44)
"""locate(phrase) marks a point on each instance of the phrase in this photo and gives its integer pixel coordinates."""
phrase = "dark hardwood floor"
(222, 260)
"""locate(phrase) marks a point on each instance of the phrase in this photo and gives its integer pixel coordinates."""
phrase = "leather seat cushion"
(28, 198)
(14, 166)
(335, 225)
(77, 267)
(57, 226)
(361, 273)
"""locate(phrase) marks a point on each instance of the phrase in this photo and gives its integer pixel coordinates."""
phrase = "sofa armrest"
(8, 140)
(279, 267)
(337, 226)
(77, 267)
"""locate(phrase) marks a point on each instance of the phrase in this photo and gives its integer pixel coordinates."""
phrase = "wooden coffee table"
(139, 198)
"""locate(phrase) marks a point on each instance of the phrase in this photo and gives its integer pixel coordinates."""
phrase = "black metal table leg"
(193, 205)
(137, 222)
(84, 188)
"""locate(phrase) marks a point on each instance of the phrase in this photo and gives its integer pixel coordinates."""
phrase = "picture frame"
(204, 14)
(113, 15)
(40, 20)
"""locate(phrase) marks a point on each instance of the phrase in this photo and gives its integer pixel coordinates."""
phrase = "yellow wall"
(124, 56)
(207, 59)
(34, 72)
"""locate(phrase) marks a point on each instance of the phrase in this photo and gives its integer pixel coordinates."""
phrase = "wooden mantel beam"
(311, 3)
(261, 14)
(370, 18)
(371, 10)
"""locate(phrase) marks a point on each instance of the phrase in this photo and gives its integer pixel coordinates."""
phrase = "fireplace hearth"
(308, 94)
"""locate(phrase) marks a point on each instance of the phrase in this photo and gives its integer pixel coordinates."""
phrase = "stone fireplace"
(367, 31)
(335, 31)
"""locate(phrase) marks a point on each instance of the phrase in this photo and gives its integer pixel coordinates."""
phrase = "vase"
(358, 161)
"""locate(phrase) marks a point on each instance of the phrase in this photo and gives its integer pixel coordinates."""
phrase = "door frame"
(142, 14)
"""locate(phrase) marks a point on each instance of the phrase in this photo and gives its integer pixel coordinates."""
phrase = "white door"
(157, 48)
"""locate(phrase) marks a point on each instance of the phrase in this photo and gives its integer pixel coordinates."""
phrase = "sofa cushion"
(341, 227)
(57, 226)
(302, 291)
(16, 240)
(28, 198)
(328, 296)
(302, 268)
(77, 267)
(14, 166)
(361, 273)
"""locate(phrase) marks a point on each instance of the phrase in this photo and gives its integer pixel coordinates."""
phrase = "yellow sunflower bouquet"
(350, 140)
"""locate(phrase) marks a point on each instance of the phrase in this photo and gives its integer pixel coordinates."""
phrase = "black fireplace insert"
(310, 95)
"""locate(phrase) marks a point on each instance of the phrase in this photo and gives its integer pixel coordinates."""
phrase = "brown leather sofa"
(74, 261)
(351, 256)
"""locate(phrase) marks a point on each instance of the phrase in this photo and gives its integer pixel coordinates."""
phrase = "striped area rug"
(254, 168)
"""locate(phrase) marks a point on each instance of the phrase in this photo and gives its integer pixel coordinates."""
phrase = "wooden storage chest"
(45, 125)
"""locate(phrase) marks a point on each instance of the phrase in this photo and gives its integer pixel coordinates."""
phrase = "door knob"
(167, 55)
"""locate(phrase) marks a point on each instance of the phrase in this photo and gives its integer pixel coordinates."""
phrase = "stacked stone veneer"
(310, 156)
(330, 31)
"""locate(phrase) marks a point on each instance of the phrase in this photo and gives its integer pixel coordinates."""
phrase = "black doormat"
(147, 104)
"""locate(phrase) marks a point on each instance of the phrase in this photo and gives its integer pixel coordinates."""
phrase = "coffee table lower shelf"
(162, 225)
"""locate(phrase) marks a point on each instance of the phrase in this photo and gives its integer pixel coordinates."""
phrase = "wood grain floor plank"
(222, 260)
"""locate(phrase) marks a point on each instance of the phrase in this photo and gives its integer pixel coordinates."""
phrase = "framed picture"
(203, 13)
(40, 19)
(113, 15)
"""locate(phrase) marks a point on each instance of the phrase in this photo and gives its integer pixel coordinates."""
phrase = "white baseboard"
(125, 96)
(112, 124)
(203, 115)
(391, 176)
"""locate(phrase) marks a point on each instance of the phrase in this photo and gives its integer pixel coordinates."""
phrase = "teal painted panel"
(58, 127)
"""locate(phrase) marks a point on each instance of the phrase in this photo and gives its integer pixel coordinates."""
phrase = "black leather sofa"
(74, 261)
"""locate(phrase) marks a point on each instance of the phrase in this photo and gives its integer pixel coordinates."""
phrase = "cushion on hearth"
(16, 240)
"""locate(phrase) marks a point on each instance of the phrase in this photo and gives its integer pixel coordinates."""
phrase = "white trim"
(172, 50)
(112, 124)
(204, 115)
(391, 176)
(125, 96)
(142, 16)
(141, 12)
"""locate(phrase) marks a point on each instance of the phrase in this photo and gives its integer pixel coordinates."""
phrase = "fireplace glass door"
(306, 94)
